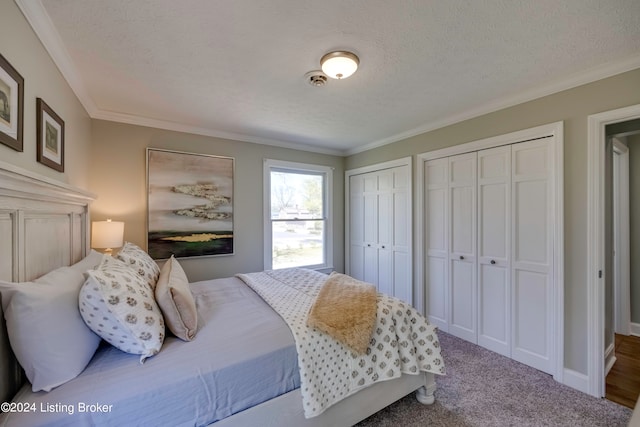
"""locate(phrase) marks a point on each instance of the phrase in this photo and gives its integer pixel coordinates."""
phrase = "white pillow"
(91, 261)
(141, 262)
(175, 299)
(48, 337)
(117, 304)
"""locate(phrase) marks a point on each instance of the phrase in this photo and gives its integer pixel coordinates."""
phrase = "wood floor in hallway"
(623, 380)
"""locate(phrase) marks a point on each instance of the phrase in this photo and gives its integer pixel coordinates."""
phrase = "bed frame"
(47, 223)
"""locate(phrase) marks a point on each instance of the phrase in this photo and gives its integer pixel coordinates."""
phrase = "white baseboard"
(609, 358)
(635, 329)
(576, 380)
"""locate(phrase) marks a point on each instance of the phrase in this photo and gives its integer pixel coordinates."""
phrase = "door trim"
(555, 130)
(622, 300)
(595, 242)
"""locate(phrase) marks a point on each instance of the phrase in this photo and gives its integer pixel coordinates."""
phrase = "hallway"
(623, 380)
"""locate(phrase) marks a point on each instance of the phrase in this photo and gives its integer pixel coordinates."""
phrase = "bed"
(240, 382)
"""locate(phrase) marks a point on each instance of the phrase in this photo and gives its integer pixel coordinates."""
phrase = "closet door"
(356, 226)
(400, 224)
(462, 250)
(532, 254)
(494, 248)
(380, 230)
(384, 244)
(437, 242)
(370, 221)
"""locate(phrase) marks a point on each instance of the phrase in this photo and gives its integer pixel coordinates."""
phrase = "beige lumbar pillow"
(176, 301)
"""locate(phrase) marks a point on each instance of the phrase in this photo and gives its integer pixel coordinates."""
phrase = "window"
(298, 229)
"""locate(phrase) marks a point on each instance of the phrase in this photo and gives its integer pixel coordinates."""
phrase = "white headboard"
(44, 224)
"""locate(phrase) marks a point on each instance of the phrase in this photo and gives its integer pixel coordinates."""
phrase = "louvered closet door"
(437, 241)
(462, 251)
(494, 248)
(532, 254)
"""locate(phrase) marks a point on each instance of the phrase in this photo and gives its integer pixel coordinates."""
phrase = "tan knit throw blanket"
(345, 308)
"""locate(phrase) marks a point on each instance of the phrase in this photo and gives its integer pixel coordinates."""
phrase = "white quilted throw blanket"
(402, 342)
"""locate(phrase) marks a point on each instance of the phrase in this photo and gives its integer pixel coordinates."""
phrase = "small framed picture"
(11, 105)
(50, 136)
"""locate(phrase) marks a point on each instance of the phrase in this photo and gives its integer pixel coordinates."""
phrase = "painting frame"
(49, 136)
(11, 100)
(190, 204)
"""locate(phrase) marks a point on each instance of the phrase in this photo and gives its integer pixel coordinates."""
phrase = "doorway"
(600, 239)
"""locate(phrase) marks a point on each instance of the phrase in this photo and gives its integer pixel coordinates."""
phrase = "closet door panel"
(532, 222)
(437, 232)
(532, 266)
(402, 275)
(463, 305)
(494, 293)
(370, 264)
(356, 227)
(462, 249)
(385, 271)
(437, 298)
(493, 310)
(356, 262)
(401, 238)
(531, 326)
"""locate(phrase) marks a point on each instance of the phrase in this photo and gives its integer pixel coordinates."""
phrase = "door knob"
(493, 261)
(461, 257)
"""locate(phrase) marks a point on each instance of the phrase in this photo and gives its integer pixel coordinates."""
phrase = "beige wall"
(20, 46)
(573, 107)
(118, 176)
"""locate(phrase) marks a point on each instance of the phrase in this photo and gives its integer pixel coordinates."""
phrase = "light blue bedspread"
(243, 355)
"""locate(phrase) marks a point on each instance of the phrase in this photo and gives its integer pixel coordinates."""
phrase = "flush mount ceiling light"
(339, 64)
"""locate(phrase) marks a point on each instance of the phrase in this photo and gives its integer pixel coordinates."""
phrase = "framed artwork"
(49, 136)
(11, 105)
(189, 204)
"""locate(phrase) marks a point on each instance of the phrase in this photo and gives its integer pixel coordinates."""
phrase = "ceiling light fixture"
(339, 64)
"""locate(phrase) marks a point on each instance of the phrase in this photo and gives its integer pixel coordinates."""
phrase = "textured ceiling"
(235, 69)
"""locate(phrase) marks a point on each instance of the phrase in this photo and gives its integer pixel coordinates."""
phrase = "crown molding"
(179, 127)
(39, 20)
(578, 79)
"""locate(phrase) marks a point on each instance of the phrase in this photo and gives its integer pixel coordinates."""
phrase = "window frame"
(326, 172)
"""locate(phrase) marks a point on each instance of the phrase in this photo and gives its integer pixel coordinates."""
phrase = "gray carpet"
(482, 388)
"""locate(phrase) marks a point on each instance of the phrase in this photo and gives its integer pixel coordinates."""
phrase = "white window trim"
(328, 211)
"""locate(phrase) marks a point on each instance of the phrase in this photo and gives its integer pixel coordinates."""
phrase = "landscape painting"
(190, 204)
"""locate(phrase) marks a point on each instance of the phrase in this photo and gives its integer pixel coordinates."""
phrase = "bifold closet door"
(462, 250)
(494, 248)
(437, 241)
(379, 230)
(356, 226)
(370, 220)
(532, 254)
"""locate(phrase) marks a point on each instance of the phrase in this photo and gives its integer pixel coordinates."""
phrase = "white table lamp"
(107, 235)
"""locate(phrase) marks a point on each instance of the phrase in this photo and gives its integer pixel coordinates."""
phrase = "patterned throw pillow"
(119, 306)
(176, 301)
(141, 262)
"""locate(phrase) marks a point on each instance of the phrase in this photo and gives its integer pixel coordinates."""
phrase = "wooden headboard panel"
(44, 224)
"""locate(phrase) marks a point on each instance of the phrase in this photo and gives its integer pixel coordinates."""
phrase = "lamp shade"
(107, 234)
(339, 65)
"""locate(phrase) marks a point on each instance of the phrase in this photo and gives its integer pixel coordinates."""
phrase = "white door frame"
(555, 130)
(595, 242)
(621, 279)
